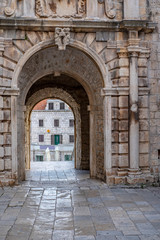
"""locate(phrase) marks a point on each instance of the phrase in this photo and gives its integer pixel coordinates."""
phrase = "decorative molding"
(115, 92)
(62, 37)
(9, 91)
(76, 24)
(143, 91)
(123, 91)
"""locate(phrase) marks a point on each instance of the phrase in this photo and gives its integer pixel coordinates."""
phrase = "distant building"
(52, 131)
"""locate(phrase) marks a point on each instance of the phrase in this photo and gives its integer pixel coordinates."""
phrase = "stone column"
(1, 55)
(106, 93)
(14, 136)
(134, 50)
(107, 133)
(92, 142)
(134, 118)
(2, 163)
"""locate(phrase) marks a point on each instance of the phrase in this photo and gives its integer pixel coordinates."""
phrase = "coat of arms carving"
(62, 37)
(60, 8)
(109, 8)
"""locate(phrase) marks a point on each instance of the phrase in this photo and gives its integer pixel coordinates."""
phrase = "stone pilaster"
(106, 93)
(91, 110)
(1, 56)
(133, 50)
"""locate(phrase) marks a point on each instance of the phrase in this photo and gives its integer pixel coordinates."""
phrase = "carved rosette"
(62, 37)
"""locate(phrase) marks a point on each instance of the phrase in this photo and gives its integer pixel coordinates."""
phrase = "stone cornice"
(9, 91)
(123, 91)
(85, 25)
(115, 91)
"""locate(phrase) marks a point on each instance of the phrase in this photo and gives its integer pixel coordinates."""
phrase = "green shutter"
(56, 139)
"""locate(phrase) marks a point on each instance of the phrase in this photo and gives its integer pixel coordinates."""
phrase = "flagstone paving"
(57, 202)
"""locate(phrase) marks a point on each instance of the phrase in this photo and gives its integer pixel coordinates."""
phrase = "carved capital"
(62, 37)
(134, 54)
(134, 51)
(145, 53)
(122, 53)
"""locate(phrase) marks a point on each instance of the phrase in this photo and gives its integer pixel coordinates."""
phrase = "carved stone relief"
(154, 7)
(110, 10)
(59, 8)
(10, 10)
(62, 37)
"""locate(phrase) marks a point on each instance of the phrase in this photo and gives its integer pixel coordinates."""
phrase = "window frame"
(41, 121)
(71, 122)
(60, 106)
(70, 139)
(39, 137)
(55, 122)
(50, 104)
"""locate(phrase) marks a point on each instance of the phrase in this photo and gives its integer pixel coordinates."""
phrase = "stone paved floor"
(59, 203)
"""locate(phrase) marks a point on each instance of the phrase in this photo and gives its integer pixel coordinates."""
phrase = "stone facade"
(58, 140)
(102, 58)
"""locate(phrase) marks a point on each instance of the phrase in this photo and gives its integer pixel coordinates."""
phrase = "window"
(71, 123)
(56, 139)
(71, 138)
(41, 138)
(56, 122)
(40, 123)
(39, 158)
(62, 106)
(50, 106)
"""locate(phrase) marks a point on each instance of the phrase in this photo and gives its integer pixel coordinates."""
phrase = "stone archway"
(85, 70)
(67, 98)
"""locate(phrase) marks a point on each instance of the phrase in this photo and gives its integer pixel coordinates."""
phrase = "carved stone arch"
(85, 67)
(103, 68)
(67, 98)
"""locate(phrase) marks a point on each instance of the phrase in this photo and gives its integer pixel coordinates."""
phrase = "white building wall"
(48, 116)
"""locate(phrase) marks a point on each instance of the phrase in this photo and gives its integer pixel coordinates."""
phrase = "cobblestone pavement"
(59, 203)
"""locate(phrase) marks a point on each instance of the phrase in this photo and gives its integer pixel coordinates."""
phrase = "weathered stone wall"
(153, 76)
(5, 138)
